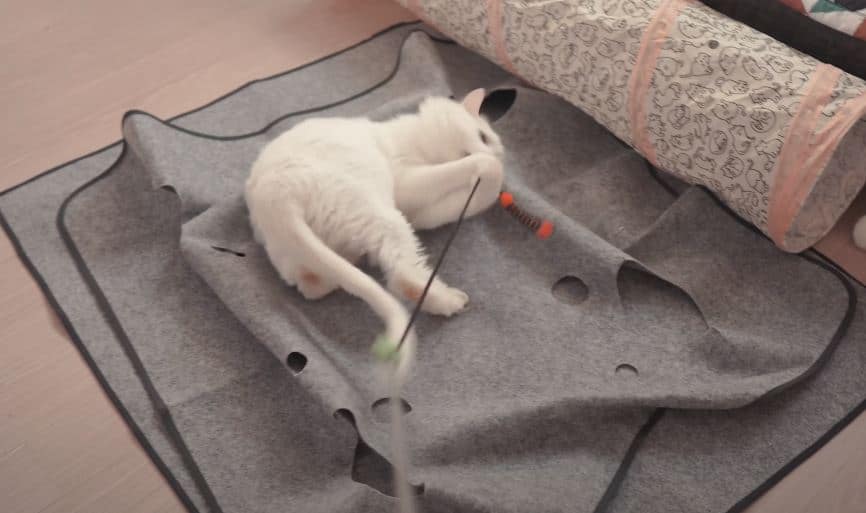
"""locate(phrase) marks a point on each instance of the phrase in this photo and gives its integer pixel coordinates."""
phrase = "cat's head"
(454, 129)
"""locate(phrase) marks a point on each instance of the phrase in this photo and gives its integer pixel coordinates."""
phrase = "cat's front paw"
(488, 168)
(444, 300)
(490, 171)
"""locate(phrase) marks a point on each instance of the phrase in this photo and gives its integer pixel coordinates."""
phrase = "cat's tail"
(361, 285)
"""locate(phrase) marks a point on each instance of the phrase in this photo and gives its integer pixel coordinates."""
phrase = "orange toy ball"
(506, 199)
(545, 230)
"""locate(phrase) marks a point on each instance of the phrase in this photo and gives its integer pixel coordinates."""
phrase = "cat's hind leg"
(402, 259)
(313, 285)
(310, 283)
(441, 299)
(316, 285)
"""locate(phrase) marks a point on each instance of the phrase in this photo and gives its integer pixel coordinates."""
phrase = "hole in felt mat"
(625, 369)
(570, 289)
(296, 361)
(346, 415)
(373, 470)
(712, 43)
(368, 466)
(227, 250)
(382, 409)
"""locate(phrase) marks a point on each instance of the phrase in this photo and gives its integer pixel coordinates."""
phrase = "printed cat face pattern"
(583, 51)
(720, 100)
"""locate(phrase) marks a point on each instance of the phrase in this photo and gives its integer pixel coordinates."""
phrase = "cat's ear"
(472, 102)
(497, 103)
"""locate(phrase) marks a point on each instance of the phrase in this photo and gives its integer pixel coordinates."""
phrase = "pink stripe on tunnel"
(495, 20)
(795, 172)
(641, 76)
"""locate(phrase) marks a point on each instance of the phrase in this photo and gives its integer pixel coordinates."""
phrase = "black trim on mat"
(745, 502)
(625, 464)
(67, 324)
(795, 462)
(237, 90)
(102, 300)
(165, 414)
(821, 261)
(142, 439)
(673, 192)
(125, 343)
(825, 258)
(79, 344)
(810, 255)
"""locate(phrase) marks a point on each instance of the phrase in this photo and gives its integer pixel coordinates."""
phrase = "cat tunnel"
(773, 132)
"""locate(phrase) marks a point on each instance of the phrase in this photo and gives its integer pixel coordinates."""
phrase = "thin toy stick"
(398, 435)
(437, 266)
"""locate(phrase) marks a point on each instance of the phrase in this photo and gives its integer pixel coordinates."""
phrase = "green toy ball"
(384, 348)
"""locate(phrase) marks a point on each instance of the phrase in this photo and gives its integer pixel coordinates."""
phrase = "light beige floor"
(68, 70)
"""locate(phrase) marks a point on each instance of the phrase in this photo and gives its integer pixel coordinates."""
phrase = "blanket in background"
(846, 16)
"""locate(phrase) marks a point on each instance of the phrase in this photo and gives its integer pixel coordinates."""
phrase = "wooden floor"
(68, 70)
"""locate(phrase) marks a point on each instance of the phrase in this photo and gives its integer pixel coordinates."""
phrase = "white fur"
(332, 190)
(859, 233)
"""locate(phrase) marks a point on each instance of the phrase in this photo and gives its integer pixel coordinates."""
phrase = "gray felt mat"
(546, 395)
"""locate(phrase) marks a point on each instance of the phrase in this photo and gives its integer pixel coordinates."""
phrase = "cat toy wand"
(387, 352)
(383, 348)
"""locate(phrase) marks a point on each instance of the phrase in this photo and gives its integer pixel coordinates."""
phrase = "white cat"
(331, 190)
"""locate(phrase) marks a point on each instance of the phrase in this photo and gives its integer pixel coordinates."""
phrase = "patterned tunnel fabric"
(772, 131)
